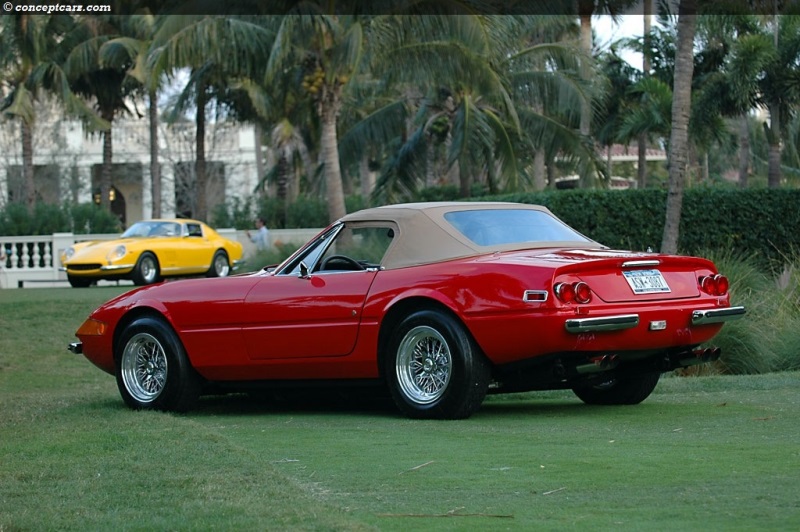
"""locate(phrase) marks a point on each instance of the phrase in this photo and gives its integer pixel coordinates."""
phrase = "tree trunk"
(679, 138)
(641, 169)
(706, 171)
(586, 179)
(282, 177)
(430, 163)
(367, 178)
(29, 186)
(744, 150)
(155, 166)
(106, 169)
(539, 170)
(257, 133)
(201, 178)
(464, 180)
(330, 155)
(775, 148)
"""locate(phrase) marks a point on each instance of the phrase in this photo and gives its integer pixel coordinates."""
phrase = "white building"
(68, 161)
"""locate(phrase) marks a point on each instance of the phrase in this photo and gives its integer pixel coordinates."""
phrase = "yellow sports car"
(151, 250)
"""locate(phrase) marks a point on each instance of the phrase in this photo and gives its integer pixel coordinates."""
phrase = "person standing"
(261, 236)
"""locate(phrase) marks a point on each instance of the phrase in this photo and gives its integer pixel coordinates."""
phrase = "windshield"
(492, 227)
(152, 228)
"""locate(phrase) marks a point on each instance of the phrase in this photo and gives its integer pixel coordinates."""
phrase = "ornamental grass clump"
(768, 338)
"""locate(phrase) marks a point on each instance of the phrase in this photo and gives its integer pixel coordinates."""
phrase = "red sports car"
(439, 302)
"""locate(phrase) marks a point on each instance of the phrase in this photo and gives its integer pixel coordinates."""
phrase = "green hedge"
(759, 223)
(763, 223)
(84, 218)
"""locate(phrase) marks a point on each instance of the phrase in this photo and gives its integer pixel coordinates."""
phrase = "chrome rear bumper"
(721, 315)
(606, 323)
(628, 321)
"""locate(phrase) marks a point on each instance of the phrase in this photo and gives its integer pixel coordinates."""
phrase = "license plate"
(646, 281)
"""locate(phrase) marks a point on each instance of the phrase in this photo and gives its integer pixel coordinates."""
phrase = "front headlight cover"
(117, 253)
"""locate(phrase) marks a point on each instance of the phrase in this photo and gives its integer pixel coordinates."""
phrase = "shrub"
(234, 213)
(272, 256)
(758, 222)
(88, 218)
(76, 218)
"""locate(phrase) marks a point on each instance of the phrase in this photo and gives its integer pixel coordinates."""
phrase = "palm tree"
(448, 96)
(329, 48)
(99, 69)
(641, 141)
(609, 118)
(215, 49)
(140, 45)
(475, 87)
(779, 88)
(291, 127)
(290, 147)
(679, 138)
(648, 111)
(749, 52)
(34, 48)
(587, 8)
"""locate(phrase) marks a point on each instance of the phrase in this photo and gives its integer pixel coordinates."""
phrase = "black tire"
(146, 270)
(220, 265)
(619, 391)
(434, 368)
(153, 371)
(79, 282)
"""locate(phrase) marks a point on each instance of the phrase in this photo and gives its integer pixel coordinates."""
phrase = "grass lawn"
(702, 453)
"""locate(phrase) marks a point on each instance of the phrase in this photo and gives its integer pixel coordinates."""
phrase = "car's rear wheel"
(146, 269)
(619, 391)
(434, 368)
(78, 282)
(220, 266)
(153, 371)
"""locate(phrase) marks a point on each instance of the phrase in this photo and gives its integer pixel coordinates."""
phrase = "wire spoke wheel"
(144, 367)
(424, 365)
(433, 367)
(153, 370)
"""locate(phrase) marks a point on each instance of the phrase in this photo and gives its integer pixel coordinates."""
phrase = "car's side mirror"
(303, 270)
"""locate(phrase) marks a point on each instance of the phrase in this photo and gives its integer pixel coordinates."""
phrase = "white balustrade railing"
(36, 260)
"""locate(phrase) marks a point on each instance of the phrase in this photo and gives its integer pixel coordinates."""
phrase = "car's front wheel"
(146, 269)
(153, 371)
(220, 266)
(630, 390)
(434, 368)
(78, 282)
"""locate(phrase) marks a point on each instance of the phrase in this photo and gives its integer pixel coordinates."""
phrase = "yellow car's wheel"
(146, 270)
(78, 282)
(220, 267)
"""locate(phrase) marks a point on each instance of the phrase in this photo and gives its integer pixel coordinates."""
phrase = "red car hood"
(603, 271)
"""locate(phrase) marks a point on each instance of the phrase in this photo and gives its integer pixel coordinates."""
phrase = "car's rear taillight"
(575, 292)
(583, 294)
(714, 285)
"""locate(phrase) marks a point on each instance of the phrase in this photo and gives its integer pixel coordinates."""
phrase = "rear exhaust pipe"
(701, 356)
(598, 364)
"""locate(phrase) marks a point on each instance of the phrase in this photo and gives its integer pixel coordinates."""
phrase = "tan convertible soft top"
(425, 236)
